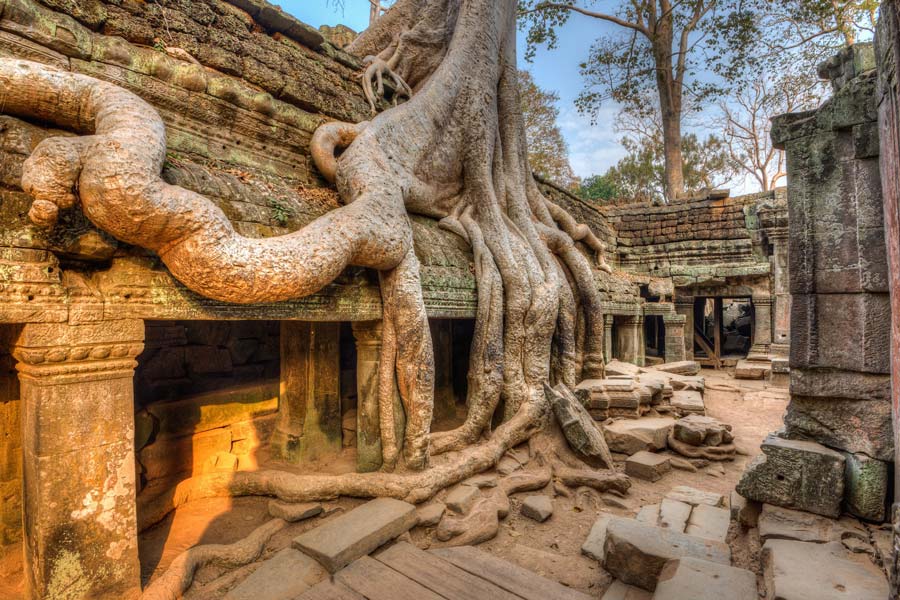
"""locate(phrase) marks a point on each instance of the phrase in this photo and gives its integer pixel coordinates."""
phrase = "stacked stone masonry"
(99, 344)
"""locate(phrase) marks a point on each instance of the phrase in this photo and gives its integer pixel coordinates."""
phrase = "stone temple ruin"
(120, 385)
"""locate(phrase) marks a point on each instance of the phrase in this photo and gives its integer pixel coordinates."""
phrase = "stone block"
(647, 465)
(629, 436)
(595, 544)
(583, 435)
(693, 579)
(649, 514)
(856, 426)
(539, 508)
(430, 514)
(695, 497)
(674, 515)
(866, 485)
(777, 523)
(796, 474)
(688, 402)
(752, 369)
(339, 542)
(212, 410)
(617, 367)
(462, 498)
(684, 367)
(746, 512)
(294, 512)
(623, 591)
(636, 553)
(699, 430)
(187, 454)
(709, 523)
(285, 576)
(806, 571)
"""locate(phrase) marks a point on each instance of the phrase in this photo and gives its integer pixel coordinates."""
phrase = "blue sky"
(592, 149)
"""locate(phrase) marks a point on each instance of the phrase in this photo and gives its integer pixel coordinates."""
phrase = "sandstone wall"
(841, 314)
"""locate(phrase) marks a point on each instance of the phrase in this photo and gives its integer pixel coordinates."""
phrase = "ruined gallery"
(285, 314)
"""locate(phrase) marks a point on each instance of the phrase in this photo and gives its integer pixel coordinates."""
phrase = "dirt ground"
(553, 548)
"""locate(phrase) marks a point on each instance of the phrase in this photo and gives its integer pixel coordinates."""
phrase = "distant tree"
(548, 152)
(746, 123)
(598, 189)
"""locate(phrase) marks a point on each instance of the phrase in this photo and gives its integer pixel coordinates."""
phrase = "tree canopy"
(548, 152)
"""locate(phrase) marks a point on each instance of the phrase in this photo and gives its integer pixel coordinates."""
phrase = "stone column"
(762, 327)
(10, 450)
(675, 334)
(77, 394)
(309, 407)
(608, 337)
(684, 306)
(368, 427)
(631, 340)
(781, 309)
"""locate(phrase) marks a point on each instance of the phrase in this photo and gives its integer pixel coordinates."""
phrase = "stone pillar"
(309, 407)
(631, 340)
(444, 401)
(684, 306)
(608, 337)
(762, 327)
(675, 346)
(368, 426)
(10, 452)
(77, 394)
(781, 295)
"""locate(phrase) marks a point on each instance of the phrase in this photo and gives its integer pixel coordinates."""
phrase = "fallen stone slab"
(345, 538)
(285, 576)
(462, 498)
(539, 508)
(617, 367)
(647, 466)
(623, 591)
(751, 369)
(796, 474)
(777, 523)
(636, 553)
(709, 523)
(291, 512)
(806, 571)
(595, 544)
(430, 514)
(688, 402)
(684, 367)
(649, 514)
(692, 579)
(694, 383)
(584, 436)
(674, 515)
(695, 497)
(629, 436)
(700, 430)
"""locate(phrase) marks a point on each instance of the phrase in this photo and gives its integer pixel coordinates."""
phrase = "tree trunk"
(670, 110)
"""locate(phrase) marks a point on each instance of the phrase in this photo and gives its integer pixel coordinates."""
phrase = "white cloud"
(592, 148)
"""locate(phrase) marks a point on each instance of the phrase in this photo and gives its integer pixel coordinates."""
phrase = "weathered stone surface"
(746, 512)
(867, 483)
(595, 544)
(623, 591)
(693, 579)
(674, 514)
(694, 497)
(647, 465)
(805, 571)
(699, 430)
(462, 498)
(430, 514)
(629, 436)
(862, 426)
(617, 367)
(357, 533)
(294, 512)
(709, 523)
(752, 369)
(539, 508)
(636, 553)
(685, 367)
(649, 514)
(777, 523)
(283, 577)
(583, 435)
(796, 474)
(688, 402)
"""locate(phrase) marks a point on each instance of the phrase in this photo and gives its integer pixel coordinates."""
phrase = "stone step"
(751, 369)
(709, 523)
(377, 581)
(636, 553)
(285, 576)
(688, 402)
(695, 497)
(807, 571)
(693, 579)
(339, 542)
(674, 515)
